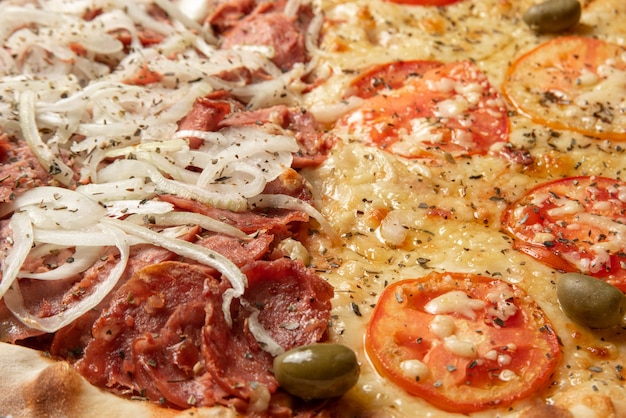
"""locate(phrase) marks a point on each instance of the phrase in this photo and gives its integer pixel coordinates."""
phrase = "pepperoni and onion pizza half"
(299, 208)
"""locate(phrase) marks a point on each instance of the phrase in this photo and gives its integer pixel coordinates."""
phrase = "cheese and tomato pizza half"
(313, 208)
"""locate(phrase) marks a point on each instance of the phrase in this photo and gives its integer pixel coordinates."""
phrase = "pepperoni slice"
(574, 224)
(165, 336)
(462, 342)
(572, 83)
(448, 109)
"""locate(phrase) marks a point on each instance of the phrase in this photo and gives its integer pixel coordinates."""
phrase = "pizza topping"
(67, 219)
(19, 169)
(317, 371)
(125, 166)
(572, 83)
(280, 30)
(590, 301)
(415, 369)
(442, 325)
(553, 15)
(389, 76)
(573, 224)
(165, 336)
(461, 348)
(455, 301)
(446, 109)
(118, 146)
(461, 359)
(437, 3)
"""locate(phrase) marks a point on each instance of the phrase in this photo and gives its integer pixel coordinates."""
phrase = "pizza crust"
(42, 387)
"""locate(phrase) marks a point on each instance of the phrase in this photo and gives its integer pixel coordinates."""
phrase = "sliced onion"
(206, 136)
(181, 103)
(56, 167)
(133, 188)
(53, 207)
(193, 9)
(263, 94)
(106, 129)
(120, 208)
(14, 300)
(190, 218)
(173, 11)
(132, 168)
(165, 165)
(248, 180)
(88, 238)
(232, 201)
(265, 340)
(313, 35)
(292, 7)
(22, 235)
(83, 258)
(176, 231)
(116, 19)
(289, 202)
(211, 258)
(251, 145)
(157, 147)
(120, 170)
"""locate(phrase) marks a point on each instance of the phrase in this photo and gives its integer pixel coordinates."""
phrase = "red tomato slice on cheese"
(572, 83)
(575, 224)
(448, 109)
(389, 76)
(462, 342)
(425, 2)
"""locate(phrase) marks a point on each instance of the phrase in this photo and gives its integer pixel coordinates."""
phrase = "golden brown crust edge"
(35, 386)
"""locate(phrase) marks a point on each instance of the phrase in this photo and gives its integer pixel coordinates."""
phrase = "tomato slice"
(574, 224)
(392, 75)
(447, 109)
(462, 342)
(437, 3)
(572, 83)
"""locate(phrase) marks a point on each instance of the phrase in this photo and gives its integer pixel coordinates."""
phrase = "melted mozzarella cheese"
(415, 369)
(358, 183)
(461, 348)
(442, 326)
(455, 301)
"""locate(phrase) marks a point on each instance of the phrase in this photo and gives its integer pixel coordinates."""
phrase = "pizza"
(313, 208)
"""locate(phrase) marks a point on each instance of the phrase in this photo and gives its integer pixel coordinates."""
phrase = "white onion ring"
(14, 300)
(132, 188)
(22, 243)
(84, 257)
(120, 208)
(52, 207)
(190, 218)
(56, 167)
(260, 334)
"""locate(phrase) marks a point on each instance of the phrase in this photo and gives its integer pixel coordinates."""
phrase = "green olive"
(317, 371)
(590, 301)
(553, 15)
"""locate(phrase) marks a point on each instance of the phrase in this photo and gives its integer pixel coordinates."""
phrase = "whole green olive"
(590, 301)
(317, 371)
(553, 15)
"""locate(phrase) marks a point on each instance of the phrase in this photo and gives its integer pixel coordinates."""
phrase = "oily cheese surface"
(382, 204)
